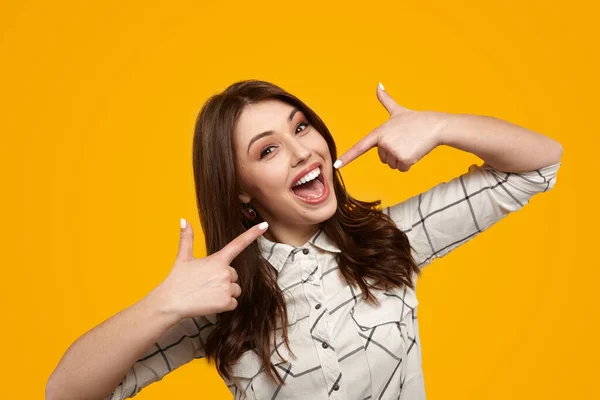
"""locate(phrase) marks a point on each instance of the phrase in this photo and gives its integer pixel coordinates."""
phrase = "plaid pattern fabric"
(344, 347)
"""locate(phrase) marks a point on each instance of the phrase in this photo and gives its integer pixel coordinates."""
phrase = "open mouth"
(313, 188)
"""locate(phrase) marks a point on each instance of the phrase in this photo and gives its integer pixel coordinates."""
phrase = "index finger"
(361, 147)
(237, 245)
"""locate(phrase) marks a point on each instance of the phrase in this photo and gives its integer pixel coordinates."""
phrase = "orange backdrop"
(98, 106)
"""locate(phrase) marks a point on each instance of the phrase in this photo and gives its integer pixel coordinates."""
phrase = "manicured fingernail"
(381, 86)
(182, 223)
(263, 225)
(337, 164)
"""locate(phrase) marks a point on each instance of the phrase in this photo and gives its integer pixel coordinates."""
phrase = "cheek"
(267, 182)
(320, 145)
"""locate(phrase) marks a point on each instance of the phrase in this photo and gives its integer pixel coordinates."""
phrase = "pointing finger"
(363, 145)
(237, 245)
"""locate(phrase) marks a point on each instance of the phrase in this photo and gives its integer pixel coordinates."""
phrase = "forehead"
(262, 116)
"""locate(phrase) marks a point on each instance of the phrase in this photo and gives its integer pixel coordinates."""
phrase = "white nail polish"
(182, 223)
(337, 164)
(263, 225)
(381, 86)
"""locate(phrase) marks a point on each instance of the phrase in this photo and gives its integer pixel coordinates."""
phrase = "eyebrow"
(266, 133)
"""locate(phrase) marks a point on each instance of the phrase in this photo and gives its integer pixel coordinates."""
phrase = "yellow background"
(98, 106)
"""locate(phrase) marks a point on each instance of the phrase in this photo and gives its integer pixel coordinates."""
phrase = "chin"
(322, 214)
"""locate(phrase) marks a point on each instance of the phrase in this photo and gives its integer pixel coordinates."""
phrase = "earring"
(249, 212)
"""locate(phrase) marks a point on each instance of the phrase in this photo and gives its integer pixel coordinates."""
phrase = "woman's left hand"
(402, 140)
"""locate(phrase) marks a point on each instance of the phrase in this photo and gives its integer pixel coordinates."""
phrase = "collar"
(277, 253)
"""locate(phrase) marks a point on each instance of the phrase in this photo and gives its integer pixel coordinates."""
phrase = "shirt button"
(305, 251)
(324, 345)
(336, 386)
(318, 306)
(311, 278)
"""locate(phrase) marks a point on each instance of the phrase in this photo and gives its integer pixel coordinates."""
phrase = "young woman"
(306, 292)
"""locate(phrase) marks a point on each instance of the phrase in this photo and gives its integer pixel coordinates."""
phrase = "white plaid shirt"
(345, 347)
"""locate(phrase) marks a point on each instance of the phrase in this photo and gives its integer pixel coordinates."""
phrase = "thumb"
(186, 241)
(388, 102)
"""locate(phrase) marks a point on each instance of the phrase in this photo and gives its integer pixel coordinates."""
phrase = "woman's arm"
(501, 144)
(98, 361)
(166, 329)
(519, 164)
(410, 135)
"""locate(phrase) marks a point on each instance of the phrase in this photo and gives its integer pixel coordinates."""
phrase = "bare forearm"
(97, 362)
(503, 145)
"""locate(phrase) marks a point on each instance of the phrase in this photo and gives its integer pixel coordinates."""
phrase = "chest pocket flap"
(395, 305)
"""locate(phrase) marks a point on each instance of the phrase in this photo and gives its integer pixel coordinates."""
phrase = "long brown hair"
(374, 251)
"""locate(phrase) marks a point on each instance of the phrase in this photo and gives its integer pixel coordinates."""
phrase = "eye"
(264, 153)
(302, 123)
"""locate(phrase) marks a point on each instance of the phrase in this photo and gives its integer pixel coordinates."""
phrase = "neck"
(294, 235)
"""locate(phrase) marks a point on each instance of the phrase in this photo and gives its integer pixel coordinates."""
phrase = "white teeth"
(308, 177)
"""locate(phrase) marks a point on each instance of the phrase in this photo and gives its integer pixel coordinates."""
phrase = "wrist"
(159, 302)
(443, 129)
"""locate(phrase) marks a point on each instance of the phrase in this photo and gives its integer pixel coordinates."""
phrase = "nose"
(300, 153)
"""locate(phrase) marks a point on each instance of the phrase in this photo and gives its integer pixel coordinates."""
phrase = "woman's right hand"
(203, 286)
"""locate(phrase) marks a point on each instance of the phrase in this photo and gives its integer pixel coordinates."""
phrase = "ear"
(244, 198)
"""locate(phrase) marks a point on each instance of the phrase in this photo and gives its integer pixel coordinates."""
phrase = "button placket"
(328, 352)
(310, 268)
(314, 294)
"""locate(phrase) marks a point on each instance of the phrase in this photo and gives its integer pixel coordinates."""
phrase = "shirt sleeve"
(452, 213)
(179, 345)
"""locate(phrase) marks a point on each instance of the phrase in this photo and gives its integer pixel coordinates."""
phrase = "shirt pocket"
(385, 332)
(394, 306)
(245, 373)
(250, 377)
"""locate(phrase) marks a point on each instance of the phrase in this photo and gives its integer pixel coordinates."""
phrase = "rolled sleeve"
(179, 345)
(452, 213)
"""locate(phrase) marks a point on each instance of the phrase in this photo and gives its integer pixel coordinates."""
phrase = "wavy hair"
(375, 252)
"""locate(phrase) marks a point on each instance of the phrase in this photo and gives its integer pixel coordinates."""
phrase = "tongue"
(310, 189)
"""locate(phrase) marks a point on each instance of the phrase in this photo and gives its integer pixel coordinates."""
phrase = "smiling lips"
(308, 177)
(312, 187)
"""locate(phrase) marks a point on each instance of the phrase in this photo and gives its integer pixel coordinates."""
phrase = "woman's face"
(271, 163)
